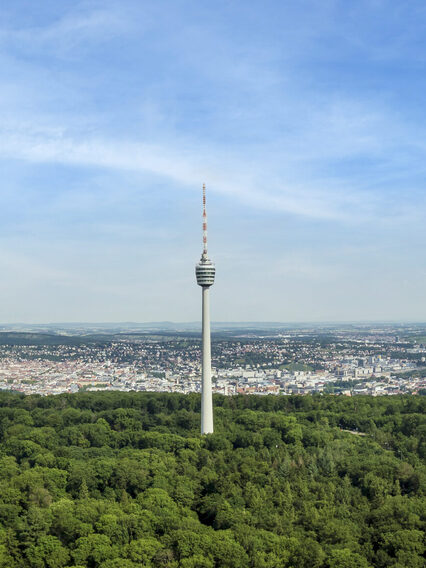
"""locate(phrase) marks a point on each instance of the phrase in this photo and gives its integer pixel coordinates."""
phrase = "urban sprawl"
(373, 361)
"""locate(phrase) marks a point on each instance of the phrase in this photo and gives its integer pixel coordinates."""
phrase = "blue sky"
(306, 120)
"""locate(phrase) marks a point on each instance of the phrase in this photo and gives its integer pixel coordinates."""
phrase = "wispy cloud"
(183, 167)
(68, 32)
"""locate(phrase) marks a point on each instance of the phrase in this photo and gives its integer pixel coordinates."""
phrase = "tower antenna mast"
(204, 222)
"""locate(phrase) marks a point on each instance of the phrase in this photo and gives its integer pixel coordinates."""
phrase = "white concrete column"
(206, 374)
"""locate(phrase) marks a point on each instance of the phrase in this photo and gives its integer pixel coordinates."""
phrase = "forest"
(124, 480)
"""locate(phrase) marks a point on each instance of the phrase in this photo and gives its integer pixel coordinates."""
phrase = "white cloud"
(66, 33)
(188, 167)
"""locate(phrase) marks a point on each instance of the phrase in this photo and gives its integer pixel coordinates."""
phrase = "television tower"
(205, 272)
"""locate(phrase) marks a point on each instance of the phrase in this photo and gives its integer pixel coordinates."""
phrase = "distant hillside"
(27, 338)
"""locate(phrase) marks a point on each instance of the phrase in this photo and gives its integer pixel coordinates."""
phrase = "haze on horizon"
(305, 119)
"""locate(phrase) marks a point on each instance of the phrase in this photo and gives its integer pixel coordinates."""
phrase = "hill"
(123, 480)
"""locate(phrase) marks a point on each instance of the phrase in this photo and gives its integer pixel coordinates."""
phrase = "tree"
(95, 548)
(345, 558)
(48, 552)
(143, 551)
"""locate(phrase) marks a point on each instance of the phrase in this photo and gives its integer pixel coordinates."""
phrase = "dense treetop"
(123, 480)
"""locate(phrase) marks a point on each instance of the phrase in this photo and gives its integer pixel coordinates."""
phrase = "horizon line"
(218, 322)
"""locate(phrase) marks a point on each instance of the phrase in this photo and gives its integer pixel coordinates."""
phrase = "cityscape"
(341, 360)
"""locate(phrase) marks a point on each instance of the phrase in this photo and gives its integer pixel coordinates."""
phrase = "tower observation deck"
(205, 272)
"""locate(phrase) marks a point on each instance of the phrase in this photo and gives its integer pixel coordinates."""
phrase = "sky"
(306, 119)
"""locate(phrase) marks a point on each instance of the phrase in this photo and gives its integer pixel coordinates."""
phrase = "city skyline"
(306, 121)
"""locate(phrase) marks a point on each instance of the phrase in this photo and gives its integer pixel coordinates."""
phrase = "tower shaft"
(205, 272)
(206, 374)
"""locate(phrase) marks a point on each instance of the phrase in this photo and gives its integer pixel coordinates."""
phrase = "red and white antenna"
(204, 222)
